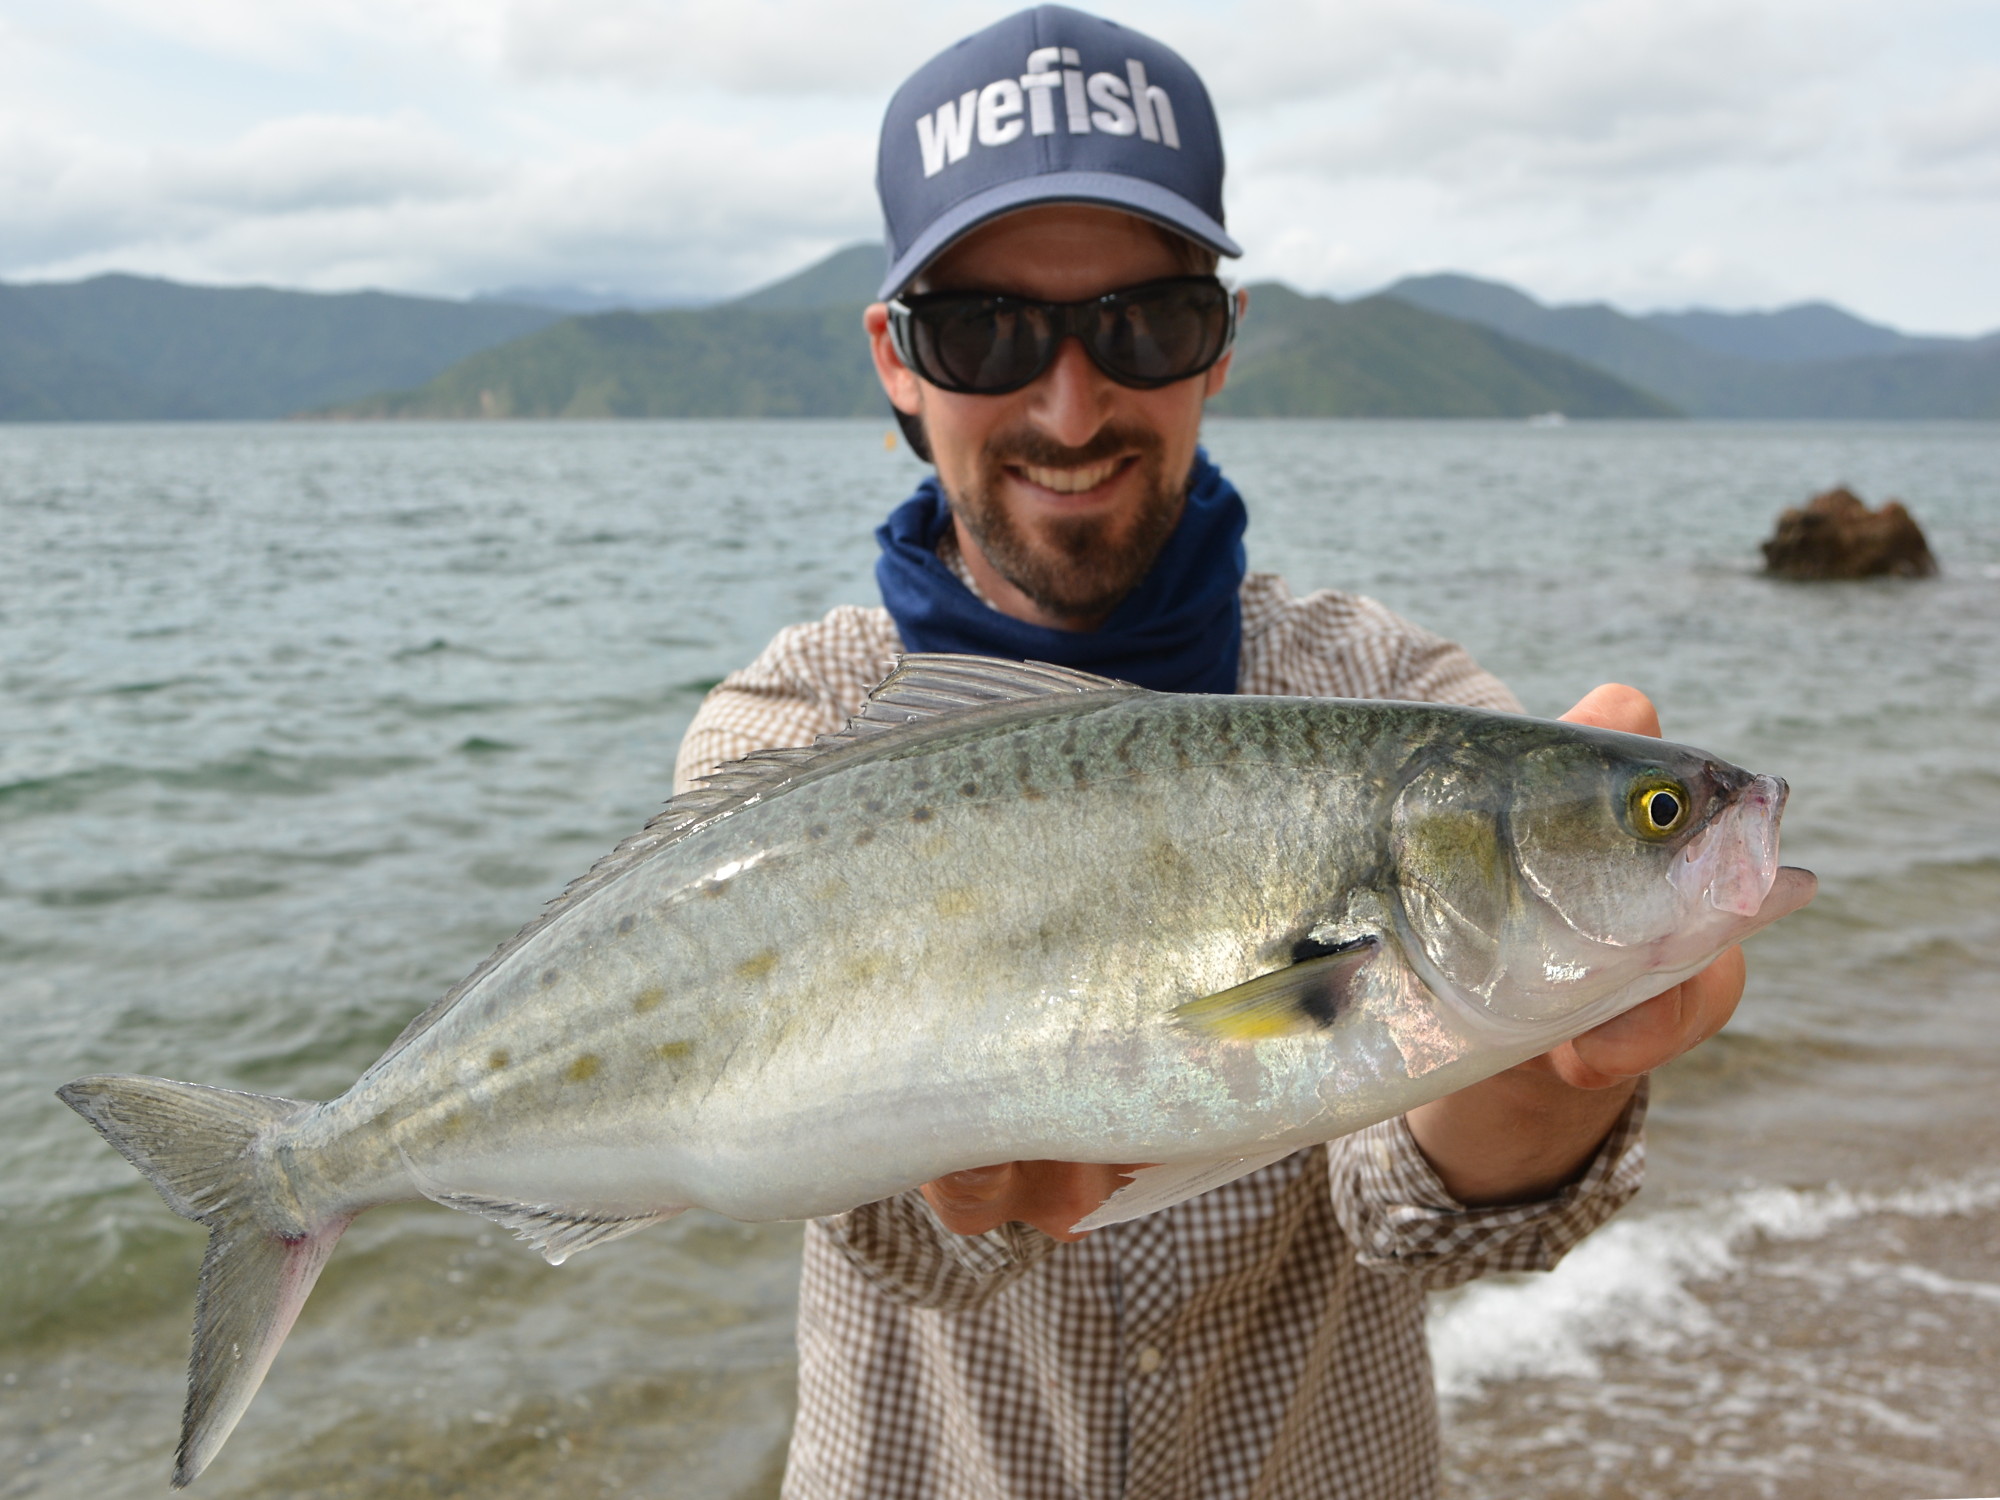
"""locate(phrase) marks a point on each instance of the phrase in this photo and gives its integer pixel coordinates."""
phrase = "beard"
(1078, 569)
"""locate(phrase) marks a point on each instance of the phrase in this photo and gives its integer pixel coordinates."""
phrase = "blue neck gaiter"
(1179, 631)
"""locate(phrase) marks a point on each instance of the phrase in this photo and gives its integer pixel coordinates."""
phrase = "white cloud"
(1950, 147)
(1609, 94)
(1654, 151)
(324, 202)
(753, 47)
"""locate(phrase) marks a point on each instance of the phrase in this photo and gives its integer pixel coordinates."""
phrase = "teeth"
(1071, 481)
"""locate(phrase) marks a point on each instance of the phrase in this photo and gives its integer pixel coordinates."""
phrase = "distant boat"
(1548, 419)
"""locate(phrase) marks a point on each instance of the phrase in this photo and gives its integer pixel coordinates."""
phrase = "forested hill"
(797, 349)
(126, 347)
(1812, 360)
(120, 347)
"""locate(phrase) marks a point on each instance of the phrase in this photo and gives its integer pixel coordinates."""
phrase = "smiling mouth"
(1072, 481)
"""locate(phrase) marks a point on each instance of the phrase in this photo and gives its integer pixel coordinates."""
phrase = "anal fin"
(1154, 1188)
(556, 1231)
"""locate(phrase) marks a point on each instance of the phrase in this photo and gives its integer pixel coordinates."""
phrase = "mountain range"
(120, 347)
(117, 347)
(1813, 360)
(796, 349)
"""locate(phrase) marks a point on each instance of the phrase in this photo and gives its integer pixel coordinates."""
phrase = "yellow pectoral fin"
(1305, 997)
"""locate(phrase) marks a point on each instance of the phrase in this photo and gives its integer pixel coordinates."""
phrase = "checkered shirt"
(1265, 1339)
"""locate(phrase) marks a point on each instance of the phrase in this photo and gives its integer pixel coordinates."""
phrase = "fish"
(1011, 912)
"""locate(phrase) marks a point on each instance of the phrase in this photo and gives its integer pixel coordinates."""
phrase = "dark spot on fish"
(873, 804)
(1312, 738)
(673, 1051)
(976, 762)
(968, 789)
(647, 998)
(550, 976)
(921, 815)
(866, 836)
(715, 887)
(816, 831)
(921, 784)
(1181, 757)
(1321, 1002)
(1123, 749)
(627, 922)
(498, 1059)
(758, 966)
(583, 1069)
(1069, 741)
(1079, 773)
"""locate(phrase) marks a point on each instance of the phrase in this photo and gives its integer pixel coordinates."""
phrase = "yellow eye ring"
(1657, 807)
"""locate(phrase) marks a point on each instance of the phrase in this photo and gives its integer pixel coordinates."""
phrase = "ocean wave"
(1629, 1285)
(253, 772)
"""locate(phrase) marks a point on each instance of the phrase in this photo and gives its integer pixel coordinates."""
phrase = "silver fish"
(1011, 913)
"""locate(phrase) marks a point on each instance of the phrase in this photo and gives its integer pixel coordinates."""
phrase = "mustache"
(1027, 446)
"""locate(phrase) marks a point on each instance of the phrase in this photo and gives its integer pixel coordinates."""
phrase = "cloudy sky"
(1655, 153)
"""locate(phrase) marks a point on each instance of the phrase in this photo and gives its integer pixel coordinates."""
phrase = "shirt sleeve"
(903, 1250)
(1403, 1222)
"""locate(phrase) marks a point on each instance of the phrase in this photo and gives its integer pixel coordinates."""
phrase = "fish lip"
(1731, 861)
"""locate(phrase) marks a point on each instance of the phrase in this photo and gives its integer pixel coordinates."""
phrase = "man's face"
(1062, 492)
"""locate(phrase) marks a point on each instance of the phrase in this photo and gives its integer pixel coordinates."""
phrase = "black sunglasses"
(989, 343)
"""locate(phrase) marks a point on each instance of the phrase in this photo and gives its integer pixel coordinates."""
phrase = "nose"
(1072, 399)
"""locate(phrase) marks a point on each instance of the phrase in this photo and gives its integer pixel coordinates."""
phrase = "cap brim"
(1112, 189)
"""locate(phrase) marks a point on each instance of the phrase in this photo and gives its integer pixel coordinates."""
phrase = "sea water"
(297, 721)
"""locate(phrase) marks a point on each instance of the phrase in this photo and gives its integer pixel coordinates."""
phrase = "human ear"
(896, 378)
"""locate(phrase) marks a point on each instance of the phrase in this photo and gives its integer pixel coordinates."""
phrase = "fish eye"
(1658, 807)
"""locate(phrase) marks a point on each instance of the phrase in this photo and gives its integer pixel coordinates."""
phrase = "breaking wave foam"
(1628, 1284)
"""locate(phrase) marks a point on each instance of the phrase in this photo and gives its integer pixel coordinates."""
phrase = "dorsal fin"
(929, 684)
(921, 688)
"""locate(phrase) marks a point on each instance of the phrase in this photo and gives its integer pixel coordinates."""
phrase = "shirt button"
(1150, 1359)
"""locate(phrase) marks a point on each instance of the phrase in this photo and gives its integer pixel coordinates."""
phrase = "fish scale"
(1012, 912)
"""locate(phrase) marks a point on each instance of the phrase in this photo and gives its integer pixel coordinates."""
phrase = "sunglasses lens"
(983, 343)
(1149, 336)
(1161, 334)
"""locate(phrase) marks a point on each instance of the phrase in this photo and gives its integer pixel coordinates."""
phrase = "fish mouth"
(1732, 863)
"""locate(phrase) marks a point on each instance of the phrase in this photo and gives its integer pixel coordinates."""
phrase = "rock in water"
(1837, 536)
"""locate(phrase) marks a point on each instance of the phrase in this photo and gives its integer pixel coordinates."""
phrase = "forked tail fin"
(199, 1147)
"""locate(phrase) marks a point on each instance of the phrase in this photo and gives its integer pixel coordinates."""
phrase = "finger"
(1058, 1194)
(1656, 1031)
(1616, 706)
(976, 1199)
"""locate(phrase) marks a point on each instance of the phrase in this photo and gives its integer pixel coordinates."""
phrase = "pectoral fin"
(1303, 998)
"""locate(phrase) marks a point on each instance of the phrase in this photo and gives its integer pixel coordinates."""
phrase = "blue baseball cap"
(1048, 106)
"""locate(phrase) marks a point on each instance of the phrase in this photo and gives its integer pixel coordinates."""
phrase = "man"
(1049, 332)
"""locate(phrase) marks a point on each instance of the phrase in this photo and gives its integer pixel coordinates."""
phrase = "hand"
(1526, 1132)
(1051, 1195)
